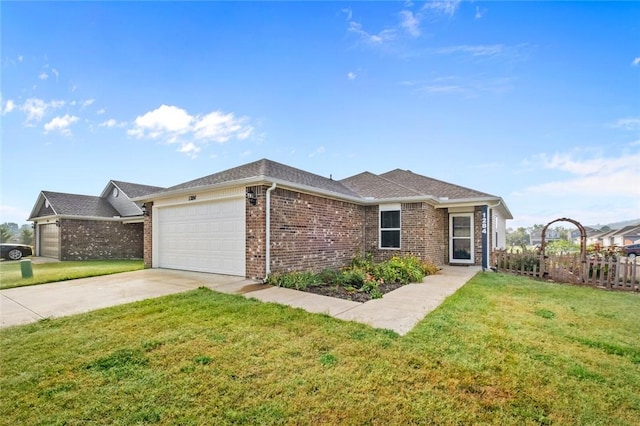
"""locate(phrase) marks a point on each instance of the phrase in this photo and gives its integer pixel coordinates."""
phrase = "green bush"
(403, 270)
(295, 280)
(362, 274)
(353, 277)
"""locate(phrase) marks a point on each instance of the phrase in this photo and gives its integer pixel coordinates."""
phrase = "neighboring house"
(265, 217)
(81, 227)
(625, 236)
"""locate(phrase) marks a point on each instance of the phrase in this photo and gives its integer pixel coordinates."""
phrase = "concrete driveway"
(399, 310)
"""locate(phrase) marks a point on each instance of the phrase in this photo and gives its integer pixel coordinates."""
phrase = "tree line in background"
(559, 239)
(12, 233)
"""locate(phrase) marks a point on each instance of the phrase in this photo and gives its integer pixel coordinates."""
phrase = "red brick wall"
(92, 239)
(313, 233)
(423, 233)
(256, 234)
(148, 232)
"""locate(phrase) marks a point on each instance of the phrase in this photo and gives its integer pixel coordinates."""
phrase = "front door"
(461, 238)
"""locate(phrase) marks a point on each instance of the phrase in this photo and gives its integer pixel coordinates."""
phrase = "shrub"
(404, 270)
(352, 277)
(328, 276)
(429, 268)
(295, 280)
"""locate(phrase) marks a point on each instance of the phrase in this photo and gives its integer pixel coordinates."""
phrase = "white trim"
(471, 238)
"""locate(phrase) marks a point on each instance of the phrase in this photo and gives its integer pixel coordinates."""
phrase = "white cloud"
(320, 150)
(9, 106)
(595, 176)
(477, 50)
(61, 124)
(88, 102)
(101, 111)
(632, 123)
(410, 23)
(166, 120)
(43, 76)
(636, 61)
(109, 123)
(351, 76)
(35, 109)
(348, 12)
(443, 7)
(190, 149)
(372, 39)
(220, 127)
(480, 12)
(55, 72)
(176, 125)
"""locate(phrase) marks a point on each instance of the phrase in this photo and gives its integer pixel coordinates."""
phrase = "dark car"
(15, 251)
(632, 250)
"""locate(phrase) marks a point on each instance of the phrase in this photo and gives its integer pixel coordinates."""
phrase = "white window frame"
(471, 238)
(389, 208)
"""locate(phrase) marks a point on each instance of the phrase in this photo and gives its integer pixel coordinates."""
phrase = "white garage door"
(204, 237)
(49, 240)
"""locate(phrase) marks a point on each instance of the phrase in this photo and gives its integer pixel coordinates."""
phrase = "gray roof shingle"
(429, 186)
(368, 185)
(79, 205)
(133, 190)
(268, 169)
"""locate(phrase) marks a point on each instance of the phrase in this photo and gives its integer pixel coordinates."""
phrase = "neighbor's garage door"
(49, 240)
(205, 237)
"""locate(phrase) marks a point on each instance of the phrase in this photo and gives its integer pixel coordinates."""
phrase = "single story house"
(81, 227)
(265, 217)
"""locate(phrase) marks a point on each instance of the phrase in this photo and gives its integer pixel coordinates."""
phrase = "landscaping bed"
(360, 281)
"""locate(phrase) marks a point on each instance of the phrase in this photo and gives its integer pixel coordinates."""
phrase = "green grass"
(11, 275)
(502, 350)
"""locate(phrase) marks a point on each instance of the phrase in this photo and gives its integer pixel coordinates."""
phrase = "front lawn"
(502, 350)
(11, 275)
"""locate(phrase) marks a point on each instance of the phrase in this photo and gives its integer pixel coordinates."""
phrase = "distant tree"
(519, 237)
(26, 235)
(13, 227)
(5, 233)
(605, 228)
(561, 247)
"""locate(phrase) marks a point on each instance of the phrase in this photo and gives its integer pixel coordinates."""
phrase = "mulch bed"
(356, 296)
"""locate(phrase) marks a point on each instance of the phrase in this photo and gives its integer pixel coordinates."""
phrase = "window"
(390, 226)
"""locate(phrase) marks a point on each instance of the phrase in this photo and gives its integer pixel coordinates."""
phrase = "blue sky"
(537, 102)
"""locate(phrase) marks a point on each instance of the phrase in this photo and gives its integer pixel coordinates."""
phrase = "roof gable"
(434, 187)
(62, 204)
(368, 185)
(132, 190)
(268, 170)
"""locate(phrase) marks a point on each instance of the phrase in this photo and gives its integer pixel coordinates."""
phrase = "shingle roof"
(268, 169)
(79, 205)
(429, 186)
(368, 185)
(134, 190)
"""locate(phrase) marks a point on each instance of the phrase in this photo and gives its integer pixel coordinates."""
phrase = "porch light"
(251, 196)
(145, 212)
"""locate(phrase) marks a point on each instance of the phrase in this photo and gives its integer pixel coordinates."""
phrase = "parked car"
(15, 251)
(632, 250)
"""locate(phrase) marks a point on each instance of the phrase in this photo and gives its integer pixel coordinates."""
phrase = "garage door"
(204, 237)
(49, 240)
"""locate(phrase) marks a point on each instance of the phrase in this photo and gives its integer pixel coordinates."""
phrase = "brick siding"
(256, 234)
(423, 233)
(313, 233)
(148, 232)
(90, 239)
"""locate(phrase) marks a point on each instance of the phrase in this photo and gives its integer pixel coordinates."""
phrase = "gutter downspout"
(268, 232)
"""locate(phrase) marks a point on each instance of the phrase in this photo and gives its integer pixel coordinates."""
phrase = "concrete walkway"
(399, 310)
